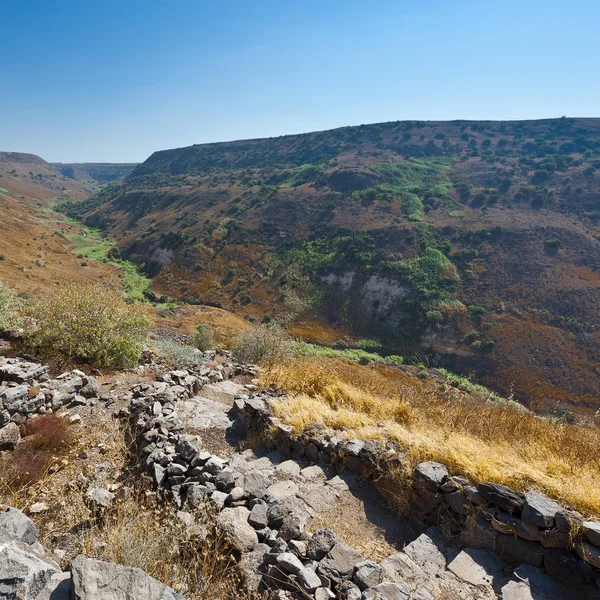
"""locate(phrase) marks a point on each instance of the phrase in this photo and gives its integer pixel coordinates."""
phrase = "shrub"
(178, 356)
(203, 338)
(9, 307)
(262, 344)
(88, 322)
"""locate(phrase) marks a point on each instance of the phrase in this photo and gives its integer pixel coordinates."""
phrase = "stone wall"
(519, 527)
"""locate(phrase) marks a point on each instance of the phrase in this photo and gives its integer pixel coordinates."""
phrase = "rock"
(568, 520)
(234, 523)
(58, 587)
(591, 529)
(349, 591)
(539, 510)
(552, 538)
(186, 448)
(516, 550)
(9, 436)
(74, 419)
(100, 497)
(24, 572)
(477, 566)
(252, 568)
(258, 516)
(282, 489)
(368, 574)
(339, 562)
(505, 523)
(214, 465)
(569, 569)
(322, 541)
(79, 401)
(290, 563)
(14, 525)
(90, 389)
(589, 553)
(502, 496)
(298, 547)
(237, 494)
(39, 507)
(425, 553)
(387, 591)
(288, 469)
(324, 593)
(430, 475)
(225, 481)
(94, 580)
(218, 499)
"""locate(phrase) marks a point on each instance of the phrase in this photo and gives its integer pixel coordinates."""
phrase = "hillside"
(467, 244)
(99, 174)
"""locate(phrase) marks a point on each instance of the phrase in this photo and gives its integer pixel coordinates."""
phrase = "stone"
(298, 547)
(39, 507)
(539, 510)
(288, 469)
(387, 591)
(567, 520)
(252, 568)
(90, 389)
(430, 475)
(516, 550)
(225, 481)
(9, 436)
(502, 496)
(100, 497)
(567, 568)
(258, 516)
(94, 579)
(58, 587)
(282, 489)
(341, 484)
(186, 449)
(324, 593)
(339, 562)
(425, 553)
(591, 530)
(322, 541)
(24, 572)
(313, 473)
(215, 465)
(541, 585)
(553, 538)
(589, 553)
(505, 523)
(235, 526)
(290, 563)
(477, 566)
(14, 525)
(218, 499)
(237, 494)
(349, 591)
(368, 574)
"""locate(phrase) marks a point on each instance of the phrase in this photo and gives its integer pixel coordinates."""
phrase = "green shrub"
(262, 344)
(10, 304)
(203, 338)
(178, 356)
(87, 322)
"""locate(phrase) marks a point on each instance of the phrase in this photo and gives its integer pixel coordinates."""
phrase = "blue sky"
(114, 81)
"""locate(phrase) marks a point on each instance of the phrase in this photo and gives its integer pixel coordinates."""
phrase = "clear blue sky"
(84, 80)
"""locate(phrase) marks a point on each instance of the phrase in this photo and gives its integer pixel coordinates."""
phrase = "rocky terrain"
(98, 174)
(205, 440)
(472, 245)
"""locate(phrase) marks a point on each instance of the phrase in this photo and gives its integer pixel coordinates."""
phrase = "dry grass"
(436, 422)
(141, 533)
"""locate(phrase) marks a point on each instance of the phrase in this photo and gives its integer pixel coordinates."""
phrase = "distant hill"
(474, 245)
(100, 174)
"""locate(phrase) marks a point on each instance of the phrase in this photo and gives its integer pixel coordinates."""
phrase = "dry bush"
(474, 438)
(87, 322)
(262, 345)
(47, 438)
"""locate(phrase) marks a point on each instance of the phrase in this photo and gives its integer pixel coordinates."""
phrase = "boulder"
(308, 580)
(591, 529)
(289, 562)
(516, 550)
(97, 580)
(258, 516)
(14, 525)
(237, 530)
(9, 436)
(24, 572)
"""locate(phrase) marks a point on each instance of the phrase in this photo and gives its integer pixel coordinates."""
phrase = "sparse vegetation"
(87, 322)
(263, 344)
(10, 304)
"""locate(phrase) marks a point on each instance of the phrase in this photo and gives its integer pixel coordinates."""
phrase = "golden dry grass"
(433, 421)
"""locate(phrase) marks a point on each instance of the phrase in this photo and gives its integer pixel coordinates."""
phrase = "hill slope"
(474, 244)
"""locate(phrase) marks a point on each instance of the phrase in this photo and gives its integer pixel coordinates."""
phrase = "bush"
(262, 344)
(178, 356)
(9, 308)
(90, 323)
(203, 338)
